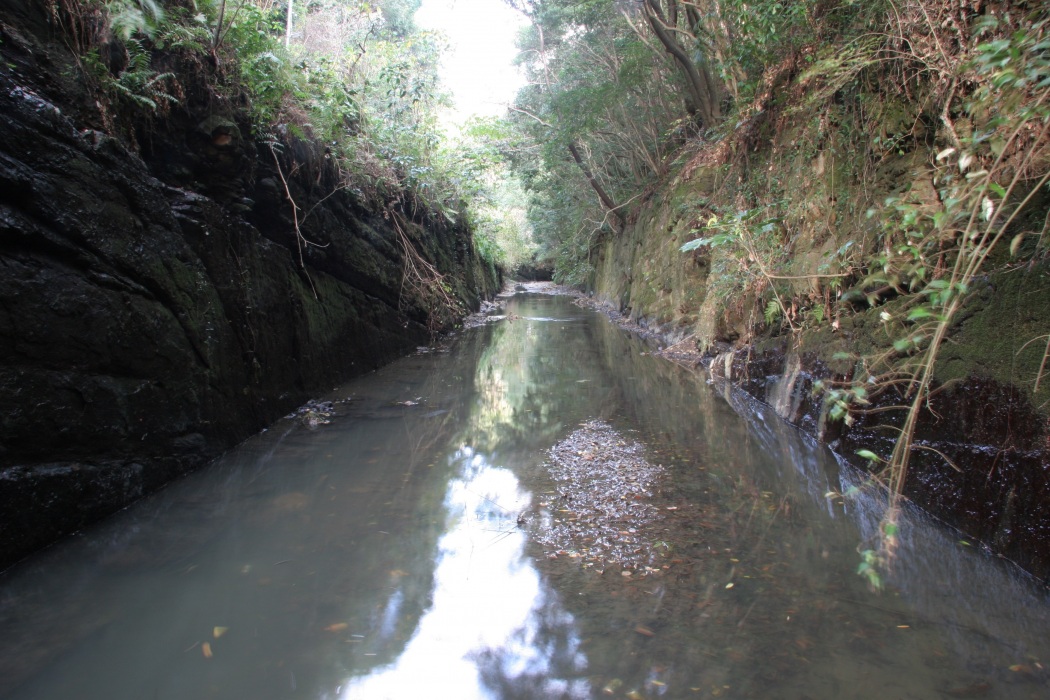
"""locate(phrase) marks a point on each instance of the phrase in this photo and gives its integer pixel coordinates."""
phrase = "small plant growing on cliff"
(138, 83)
(869, 568)
(934, 253)
(752, 241)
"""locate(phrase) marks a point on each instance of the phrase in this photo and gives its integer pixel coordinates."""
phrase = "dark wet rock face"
(153, 310)
(997, 492)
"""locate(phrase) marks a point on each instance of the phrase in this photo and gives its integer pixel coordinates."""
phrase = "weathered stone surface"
(153, 310)
(983, 415)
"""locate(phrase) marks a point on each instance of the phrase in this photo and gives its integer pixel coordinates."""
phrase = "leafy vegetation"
(619, 95)
(934, 252)
(359, 77)
(596, 124)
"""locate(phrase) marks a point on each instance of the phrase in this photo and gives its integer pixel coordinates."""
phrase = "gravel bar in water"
(600, 510)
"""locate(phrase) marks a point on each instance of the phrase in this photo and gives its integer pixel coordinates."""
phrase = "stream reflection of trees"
(537, 378)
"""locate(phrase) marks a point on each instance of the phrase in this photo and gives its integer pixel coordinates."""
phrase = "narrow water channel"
(403, 550)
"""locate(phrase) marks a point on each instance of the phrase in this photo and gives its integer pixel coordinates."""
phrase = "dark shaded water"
(392, 554)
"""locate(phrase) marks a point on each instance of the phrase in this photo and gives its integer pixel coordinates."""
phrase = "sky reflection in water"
(491, 621)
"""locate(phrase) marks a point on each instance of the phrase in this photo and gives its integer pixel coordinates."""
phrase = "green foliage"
(595, 86)
(763, 32)
(130, 17)
(139, 83)
(932, 250)
(870, 566)
(359, 76)
(602, 79)
(1014, 64)
(749, 253)
(500, 203)
(772, 311)
(136, 84)
(183, 30)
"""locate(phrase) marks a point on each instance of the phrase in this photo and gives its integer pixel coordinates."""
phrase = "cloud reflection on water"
(493, 628)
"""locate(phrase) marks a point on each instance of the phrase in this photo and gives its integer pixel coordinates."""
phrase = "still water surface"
(393, 553)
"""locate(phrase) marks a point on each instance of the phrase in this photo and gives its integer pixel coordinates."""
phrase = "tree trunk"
(606, 200)
(218, 25)
(288, 25)
(702, 90)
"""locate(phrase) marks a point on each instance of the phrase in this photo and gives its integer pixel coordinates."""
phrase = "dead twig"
(423, 278)
(300, 239)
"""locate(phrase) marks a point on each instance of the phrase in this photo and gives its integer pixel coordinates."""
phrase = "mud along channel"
(540, 509)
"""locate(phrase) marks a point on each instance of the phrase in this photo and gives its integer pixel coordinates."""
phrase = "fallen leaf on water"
(337, 627)
(206, 650)
(974, 690)
(219, 631)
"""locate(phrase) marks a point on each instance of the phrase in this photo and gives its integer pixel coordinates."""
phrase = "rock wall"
(984, 416)
(153, 309)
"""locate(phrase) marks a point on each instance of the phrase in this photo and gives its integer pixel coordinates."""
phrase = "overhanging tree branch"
(607, 201)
